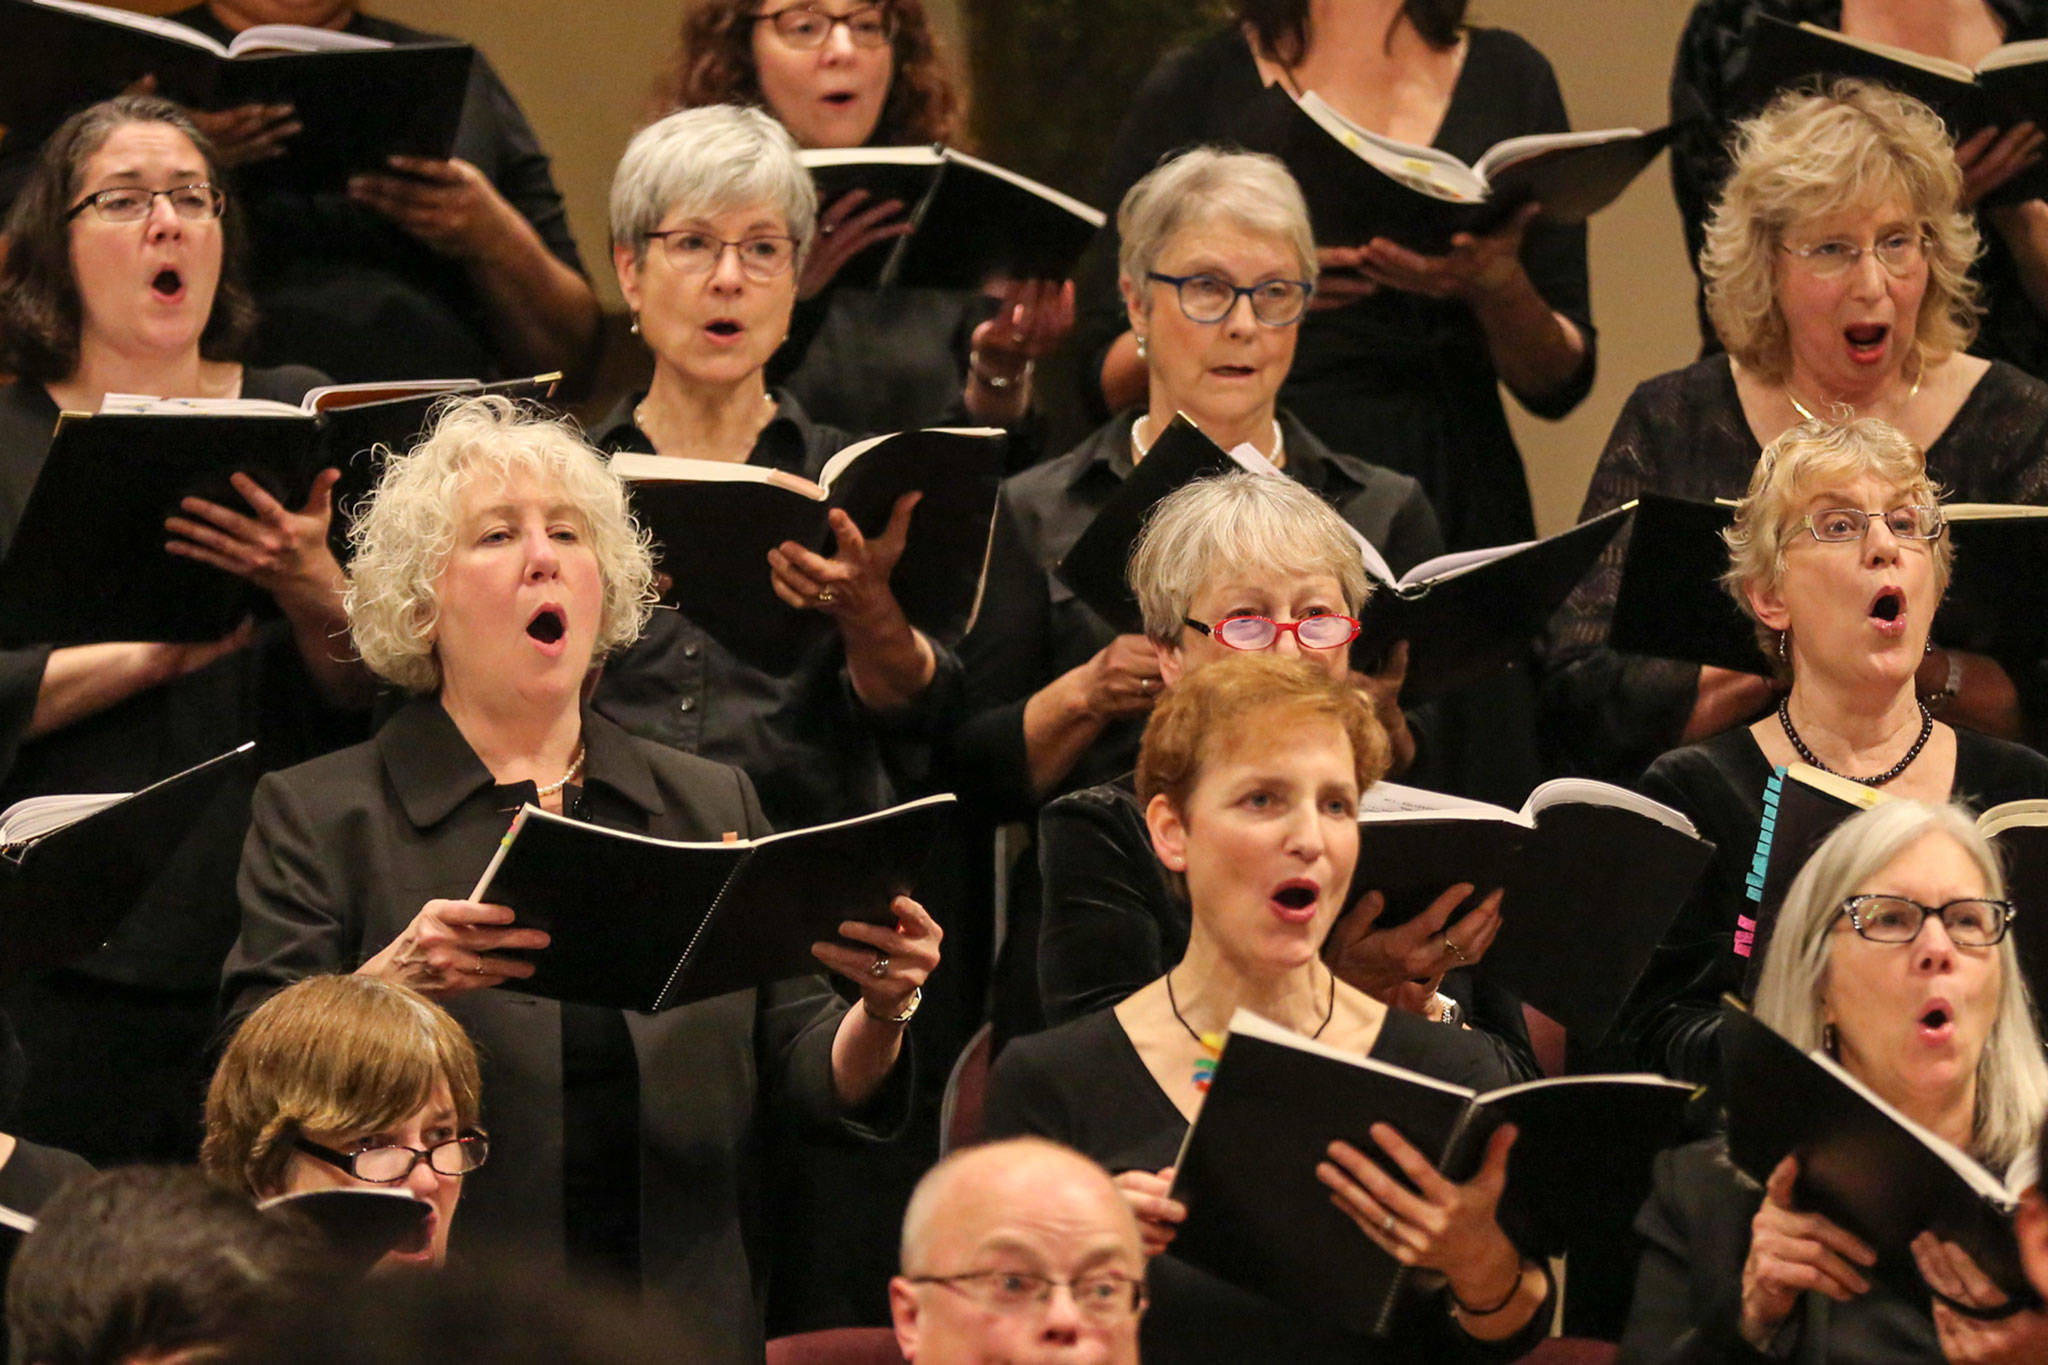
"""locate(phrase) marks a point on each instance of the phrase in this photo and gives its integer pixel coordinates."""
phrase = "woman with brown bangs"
(350, 1082)
(861, 73)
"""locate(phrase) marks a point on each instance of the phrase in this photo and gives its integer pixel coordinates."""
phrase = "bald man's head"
(984, 1233)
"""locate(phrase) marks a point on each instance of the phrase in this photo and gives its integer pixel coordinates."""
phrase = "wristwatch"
(909, 1008)
(1451, 1014)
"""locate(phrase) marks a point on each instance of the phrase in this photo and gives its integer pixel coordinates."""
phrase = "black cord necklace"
(1806, 755)
(1212, 1043)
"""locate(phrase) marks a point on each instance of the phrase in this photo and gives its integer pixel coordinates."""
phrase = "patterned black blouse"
(1684, 434)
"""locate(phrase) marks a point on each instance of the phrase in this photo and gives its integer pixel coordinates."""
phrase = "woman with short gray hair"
(1893, 955)
(712, 215)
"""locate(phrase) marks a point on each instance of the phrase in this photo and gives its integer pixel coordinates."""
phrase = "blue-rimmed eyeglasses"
(1106, 1296)
(1209, 298)
(389, 1163)
(1972, 922)
(1327, 631)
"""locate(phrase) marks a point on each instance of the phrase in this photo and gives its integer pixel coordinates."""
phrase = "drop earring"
(1827, 1039)
(1784, 655)
(1141, 345)
(635, 328)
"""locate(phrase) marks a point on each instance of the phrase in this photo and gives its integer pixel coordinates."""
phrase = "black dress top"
(1672, 1021)
(1683, 433)
(1399, 379)
(344, 288)
(186, 920)
(815, 752)
(1706, 81)
(1113, 921)
(1695, 1232)
(345, 850)
(1084, 1084)
(1032, 628)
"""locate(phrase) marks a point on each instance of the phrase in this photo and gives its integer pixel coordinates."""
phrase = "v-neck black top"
(1398, 379)
(1672, 1020)
(1085, 1084)
(1684, 434)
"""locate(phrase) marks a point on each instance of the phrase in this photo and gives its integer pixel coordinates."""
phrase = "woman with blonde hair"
(1893, 954)
(1840, 555)
(1837, 265)
(495, 565)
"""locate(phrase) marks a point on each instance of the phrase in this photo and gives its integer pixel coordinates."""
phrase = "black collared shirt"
(1032, 628)
(814, 752)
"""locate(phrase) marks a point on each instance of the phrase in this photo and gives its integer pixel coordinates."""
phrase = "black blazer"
(345, 850)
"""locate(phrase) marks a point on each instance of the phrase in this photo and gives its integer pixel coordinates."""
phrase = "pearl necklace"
(565, 779)
(1139, 447)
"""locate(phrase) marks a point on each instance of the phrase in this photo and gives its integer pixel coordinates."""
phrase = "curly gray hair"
(406, 532)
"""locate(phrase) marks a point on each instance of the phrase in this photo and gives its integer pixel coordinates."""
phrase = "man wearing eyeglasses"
(1023, 1252)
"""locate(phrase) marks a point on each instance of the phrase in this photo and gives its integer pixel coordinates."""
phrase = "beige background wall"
(584, 72)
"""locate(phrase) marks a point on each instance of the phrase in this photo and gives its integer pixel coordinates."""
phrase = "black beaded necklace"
(1807, 755)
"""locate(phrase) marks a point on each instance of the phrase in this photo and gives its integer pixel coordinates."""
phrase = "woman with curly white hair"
(1837, 269)
(495, 565)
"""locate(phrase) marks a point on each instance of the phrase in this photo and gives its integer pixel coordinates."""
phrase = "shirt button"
(687, 705)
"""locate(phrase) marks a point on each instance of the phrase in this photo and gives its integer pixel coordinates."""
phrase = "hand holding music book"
(1259, 1218)
(1360, 184)
(355, 1226)
(972, 222)
(2008, 85)
(73, 866)
(648, 924)
(1593, 873)
(1862, 1164)
(714, 523)
(1469, 614)
(358, 100)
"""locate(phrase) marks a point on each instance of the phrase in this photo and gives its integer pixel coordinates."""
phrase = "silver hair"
(705, 161)
(1199, 530)
(2012, 1077)
(1249, 190)
(405, 533)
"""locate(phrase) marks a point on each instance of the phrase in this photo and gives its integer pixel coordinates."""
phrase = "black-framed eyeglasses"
(1327, 631)
(1908, 521)
(392, 1162)
(762, 257)
(809, 29)
(1105, 1296)
(1972, 922)
(1210, 298)
(131, 203)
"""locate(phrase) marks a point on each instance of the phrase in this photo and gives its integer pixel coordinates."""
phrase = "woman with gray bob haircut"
(1894, 955)
(712, 215)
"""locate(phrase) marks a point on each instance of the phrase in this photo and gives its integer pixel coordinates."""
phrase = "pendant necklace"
(1212, 1043)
